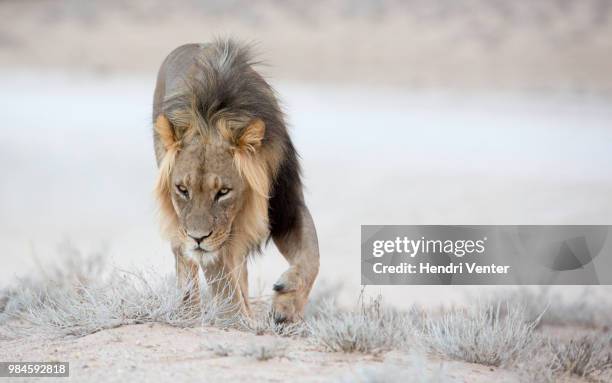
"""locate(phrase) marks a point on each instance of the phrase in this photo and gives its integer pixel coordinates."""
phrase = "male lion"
(229, 177)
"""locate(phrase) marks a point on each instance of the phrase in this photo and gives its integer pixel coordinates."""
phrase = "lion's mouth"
(202, 255)
(201, 250)
(211, 245)
(207, 248)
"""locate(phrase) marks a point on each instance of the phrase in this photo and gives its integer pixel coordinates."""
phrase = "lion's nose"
(201, 238)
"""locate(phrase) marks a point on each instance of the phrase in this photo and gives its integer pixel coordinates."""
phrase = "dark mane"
(222, 84)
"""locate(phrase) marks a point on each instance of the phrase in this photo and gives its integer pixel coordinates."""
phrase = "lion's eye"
(222, 192)
(182, 190)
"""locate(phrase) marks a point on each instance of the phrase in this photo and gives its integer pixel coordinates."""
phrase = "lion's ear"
(166, 132)
(251, 137)
(166, 157)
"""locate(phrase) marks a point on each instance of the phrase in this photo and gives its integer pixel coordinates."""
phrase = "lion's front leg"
(228, 280)
(187, 278)
(301, 249)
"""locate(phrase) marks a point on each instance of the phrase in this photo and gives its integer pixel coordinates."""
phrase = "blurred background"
(404, 112)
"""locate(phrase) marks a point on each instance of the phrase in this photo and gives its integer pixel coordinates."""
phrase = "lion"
(229, 178)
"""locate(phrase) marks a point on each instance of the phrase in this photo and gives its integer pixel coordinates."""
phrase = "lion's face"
(206, 193)
(212, 185)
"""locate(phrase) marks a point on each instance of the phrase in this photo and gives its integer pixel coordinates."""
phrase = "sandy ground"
(162, 353)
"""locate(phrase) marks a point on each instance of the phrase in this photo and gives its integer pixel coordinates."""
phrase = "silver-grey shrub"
(489, 334)
(84, 297)
(587, 310)
(588, 355)
(372, 328)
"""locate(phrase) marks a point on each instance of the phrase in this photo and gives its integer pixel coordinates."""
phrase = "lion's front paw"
(287, 307)
(290, 296)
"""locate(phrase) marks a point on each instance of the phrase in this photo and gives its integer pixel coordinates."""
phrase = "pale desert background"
(414, 112)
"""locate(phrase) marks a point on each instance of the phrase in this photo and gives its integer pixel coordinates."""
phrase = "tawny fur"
(215, 116)
(252, 222)
(169, 220)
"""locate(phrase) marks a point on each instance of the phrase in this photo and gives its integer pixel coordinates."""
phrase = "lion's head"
(220, 140)
(213, 184)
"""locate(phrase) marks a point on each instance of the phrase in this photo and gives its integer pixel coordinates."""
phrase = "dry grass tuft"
(494, 335)
(586, 356)
(263, 323)
(537, 365)
(374, 328)
(587, 310)
(263, 320)
(85, 296)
